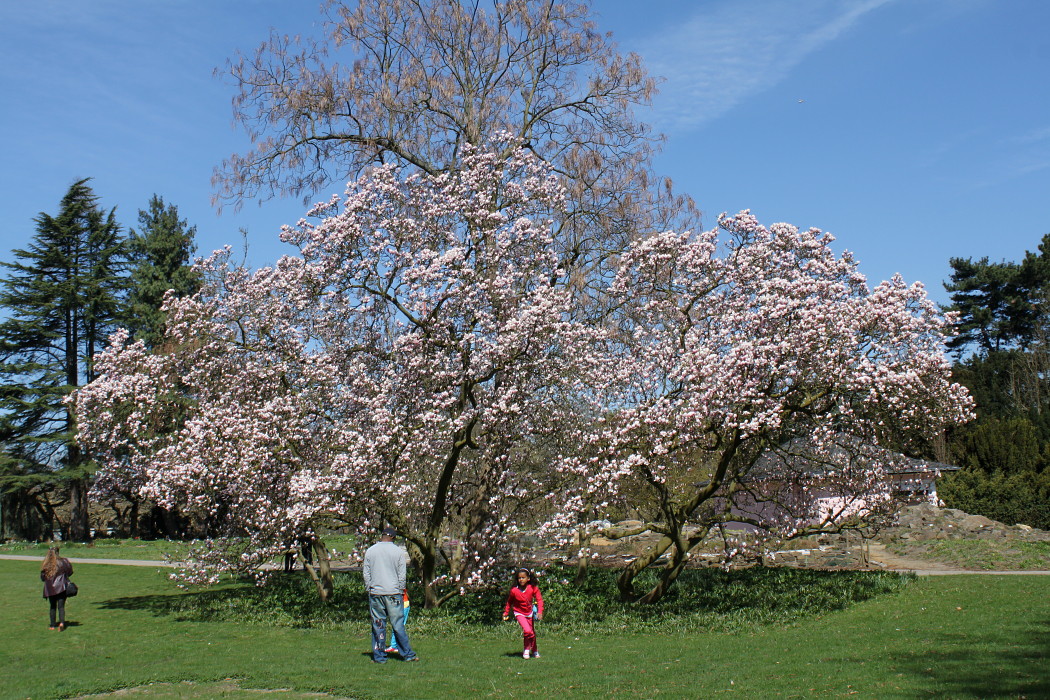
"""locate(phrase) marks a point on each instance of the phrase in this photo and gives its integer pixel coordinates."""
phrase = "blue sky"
(913, 130)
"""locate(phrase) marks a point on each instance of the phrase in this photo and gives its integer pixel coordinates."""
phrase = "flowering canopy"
(386, 373)
(420, 363)
(734, 342)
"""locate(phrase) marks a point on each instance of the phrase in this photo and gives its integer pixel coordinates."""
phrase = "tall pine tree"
(61, 298)
(160, 250)
(1000, 304)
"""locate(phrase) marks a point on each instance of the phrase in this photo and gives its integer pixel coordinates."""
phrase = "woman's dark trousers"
(58, 603)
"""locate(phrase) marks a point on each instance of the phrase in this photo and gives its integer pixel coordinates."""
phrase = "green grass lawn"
(766, 634)
(101, 549)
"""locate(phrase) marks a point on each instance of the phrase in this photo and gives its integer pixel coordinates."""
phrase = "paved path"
(336, 566)
(80, 560)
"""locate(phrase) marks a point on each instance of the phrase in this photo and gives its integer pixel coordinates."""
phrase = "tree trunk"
(171, 523)
(26, 520)
(78, 513)
(132, 528)
(625, 581)
(667, 578)
(676, 517)
(674, 566)
(47, 514)
(583, 565)
(321, 571)
(428, 563)
(430, 546)
(583, 554)
(427, 572)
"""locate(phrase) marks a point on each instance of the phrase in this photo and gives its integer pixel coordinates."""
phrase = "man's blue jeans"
(388, 609)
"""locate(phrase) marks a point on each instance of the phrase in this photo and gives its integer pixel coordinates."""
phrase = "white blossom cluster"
(419, 362)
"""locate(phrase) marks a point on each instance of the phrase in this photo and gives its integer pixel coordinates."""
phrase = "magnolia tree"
(402, 368)
(420, 362)
(754, 370)
(412, 81)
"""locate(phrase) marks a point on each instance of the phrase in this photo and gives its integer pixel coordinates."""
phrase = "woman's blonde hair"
(50, 565)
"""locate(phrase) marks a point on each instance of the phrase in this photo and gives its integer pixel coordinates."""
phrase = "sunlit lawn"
(952, 636)
(101, 549)
(112, 548)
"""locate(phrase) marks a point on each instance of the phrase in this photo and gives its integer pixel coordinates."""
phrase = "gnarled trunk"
(667, 577)
(429, 547)
(676, 516)
(321, 570)
(625, 581)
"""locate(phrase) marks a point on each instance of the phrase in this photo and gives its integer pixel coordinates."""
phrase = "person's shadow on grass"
(392, 655)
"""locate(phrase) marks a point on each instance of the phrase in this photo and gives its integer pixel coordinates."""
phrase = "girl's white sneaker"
(525, 654)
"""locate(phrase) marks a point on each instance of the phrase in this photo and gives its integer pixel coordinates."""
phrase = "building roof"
(803, 454)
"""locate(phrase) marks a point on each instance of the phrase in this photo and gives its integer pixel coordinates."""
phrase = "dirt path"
(879, 556)
(885, 559)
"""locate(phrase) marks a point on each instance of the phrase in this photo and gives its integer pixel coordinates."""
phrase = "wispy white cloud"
(935, 154)
(1024, 154)
(1009, 168)
(982, 158)
(731, 49)
(1034, 136)
(1033, 165)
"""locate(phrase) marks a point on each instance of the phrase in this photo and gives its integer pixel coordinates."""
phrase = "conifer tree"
(161, 251)
(1003, 358)
(999, 303)
(61, 298)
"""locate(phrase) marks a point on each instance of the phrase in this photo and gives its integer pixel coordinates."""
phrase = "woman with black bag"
(55, 573)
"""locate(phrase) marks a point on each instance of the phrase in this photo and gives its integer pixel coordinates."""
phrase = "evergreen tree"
(160, 251)
(999, 304)
(1004, 324)
(1010, 446)
(61, 298)
(1010, 384)
(1018, 498)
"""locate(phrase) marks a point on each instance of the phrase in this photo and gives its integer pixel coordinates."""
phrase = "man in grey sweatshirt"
(384, 571)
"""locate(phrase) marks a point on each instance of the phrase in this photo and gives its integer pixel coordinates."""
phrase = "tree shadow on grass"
(286, 600)
(714, 599)
(965, 668)
(708, 599)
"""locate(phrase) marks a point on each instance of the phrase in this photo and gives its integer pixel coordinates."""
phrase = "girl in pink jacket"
(520, 600)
